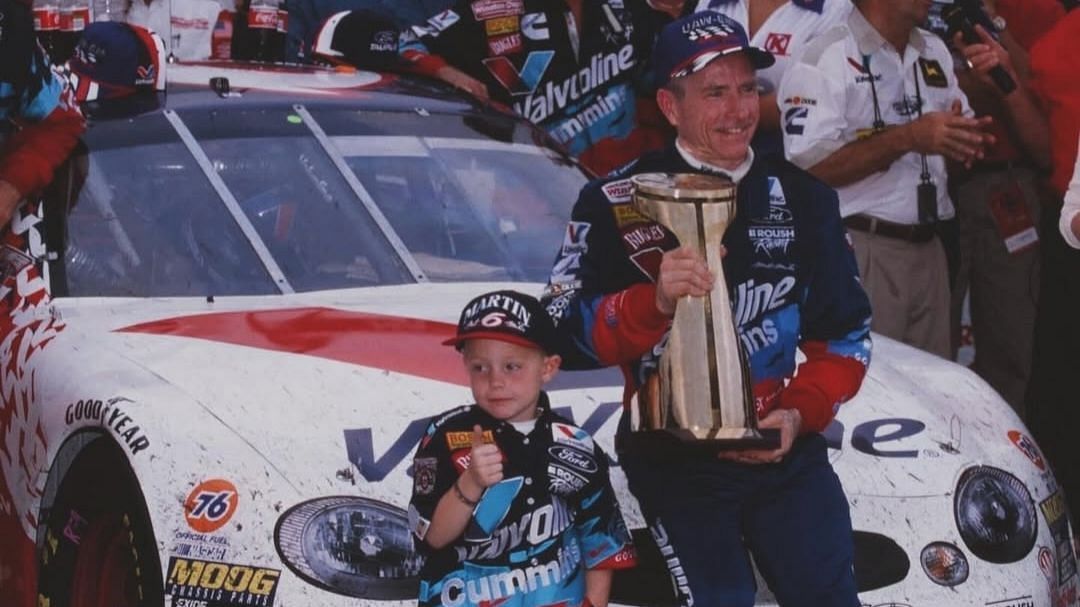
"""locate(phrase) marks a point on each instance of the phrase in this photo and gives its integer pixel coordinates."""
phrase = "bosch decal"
(458, 440)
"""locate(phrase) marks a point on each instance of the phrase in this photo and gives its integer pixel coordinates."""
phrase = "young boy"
(512, 504)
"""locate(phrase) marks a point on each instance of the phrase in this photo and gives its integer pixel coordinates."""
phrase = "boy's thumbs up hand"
(485, 462)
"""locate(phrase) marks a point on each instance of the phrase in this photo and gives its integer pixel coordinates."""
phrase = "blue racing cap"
(688, 44)
(116, 59)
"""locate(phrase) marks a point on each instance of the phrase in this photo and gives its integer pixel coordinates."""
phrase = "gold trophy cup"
(701, 391)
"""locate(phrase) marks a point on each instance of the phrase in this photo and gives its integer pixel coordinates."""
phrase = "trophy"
(701, 391)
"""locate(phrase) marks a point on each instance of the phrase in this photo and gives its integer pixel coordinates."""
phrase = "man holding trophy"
(720, 439)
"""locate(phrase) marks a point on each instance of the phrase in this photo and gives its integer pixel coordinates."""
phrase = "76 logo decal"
(210, 505)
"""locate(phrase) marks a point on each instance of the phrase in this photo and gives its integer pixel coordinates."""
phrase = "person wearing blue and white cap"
(794, 286)
(784, 28)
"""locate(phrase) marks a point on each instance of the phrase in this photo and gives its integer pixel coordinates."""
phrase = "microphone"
(961, 17)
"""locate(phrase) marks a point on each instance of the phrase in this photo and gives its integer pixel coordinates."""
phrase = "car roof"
(214, 83)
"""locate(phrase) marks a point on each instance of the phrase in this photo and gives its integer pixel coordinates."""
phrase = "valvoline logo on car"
(210, 505)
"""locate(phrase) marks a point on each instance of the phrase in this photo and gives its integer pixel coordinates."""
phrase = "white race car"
(219, 343)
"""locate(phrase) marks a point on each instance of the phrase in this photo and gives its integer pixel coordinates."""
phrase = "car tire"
(98, 547)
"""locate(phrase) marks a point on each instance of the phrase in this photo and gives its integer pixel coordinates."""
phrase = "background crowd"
(953, 193)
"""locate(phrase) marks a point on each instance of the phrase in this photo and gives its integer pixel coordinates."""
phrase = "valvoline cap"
(507, 316)
(688, 44)
(116, 59)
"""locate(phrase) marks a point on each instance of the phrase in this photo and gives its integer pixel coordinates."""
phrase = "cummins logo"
(573, 458)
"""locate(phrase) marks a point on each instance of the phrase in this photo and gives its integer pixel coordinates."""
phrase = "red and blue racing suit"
(581, 89)
(793, 283)
(36, 102)
(532, 535)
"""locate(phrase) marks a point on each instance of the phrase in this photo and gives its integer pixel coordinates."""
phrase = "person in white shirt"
(1070, 212)
(784, 28)
(873, 109)
(186, 26)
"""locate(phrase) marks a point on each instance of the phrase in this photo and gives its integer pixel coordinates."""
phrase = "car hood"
(333, 388)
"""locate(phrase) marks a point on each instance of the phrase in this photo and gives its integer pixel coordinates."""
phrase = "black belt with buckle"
(919, 232)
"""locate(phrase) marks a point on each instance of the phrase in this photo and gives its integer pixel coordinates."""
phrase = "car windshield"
(259, 201)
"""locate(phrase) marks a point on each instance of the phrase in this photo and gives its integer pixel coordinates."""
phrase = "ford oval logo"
(573, 458)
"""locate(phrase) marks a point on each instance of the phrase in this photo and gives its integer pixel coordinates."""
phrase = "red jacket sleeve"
(824, 381)
(628, 324)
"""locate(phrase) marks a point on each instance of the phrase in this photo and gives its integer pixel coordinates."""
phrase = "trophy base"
(741, 439)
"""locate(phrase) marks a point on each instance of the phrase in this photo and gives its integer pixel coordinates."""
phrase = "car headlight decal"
(353, 546)
(995, 515)
(944, 564)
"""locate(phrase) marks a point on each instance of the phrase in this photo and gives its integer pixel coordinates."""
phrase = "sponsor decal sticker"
(796, 100)
(424, 469)
(220, 584)
(933, 74)
(618, 191)
(1057, 520)
(501, 25)
(444, 20)
(491, 9)
(535, 26)
(108, 414)
(1028, 447)
(210, 505)
(417, 524)
(640, 237)
(626, 215)
(565, 481)
(461, 459)
(463, 439)
(565, 434)
(199, 546)
(1046, 564)
(505, 45)
(778, 44)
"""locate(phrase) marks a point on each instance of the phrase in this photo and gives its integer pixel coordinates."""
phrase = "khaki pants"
(1004, 286)
(908, 286)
